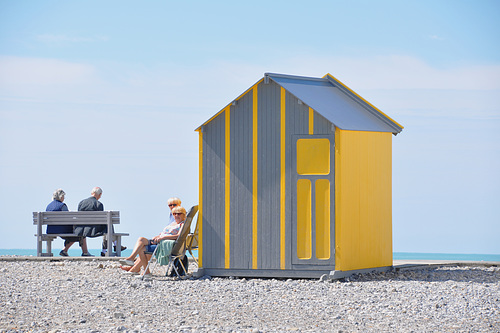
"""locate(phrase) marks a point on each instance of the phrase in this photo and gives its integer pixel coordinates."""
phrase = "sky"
(109, 93)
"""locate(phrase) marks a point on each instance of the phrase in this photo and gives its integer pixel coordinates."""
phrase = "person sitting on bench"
(92, 203)
(58, 205)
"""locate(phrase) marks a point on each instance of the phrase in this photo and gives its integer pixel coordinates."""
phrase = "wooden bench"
(75, 218)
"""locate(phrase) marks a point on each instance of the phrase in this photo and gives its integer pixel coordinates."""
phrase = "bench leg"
(110, 238)
(48, 245)
(118, 239)
(39, 246)
(109, 241)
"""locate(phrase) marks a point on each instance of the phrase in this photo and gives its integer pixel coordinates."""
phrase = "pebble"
(86, 296)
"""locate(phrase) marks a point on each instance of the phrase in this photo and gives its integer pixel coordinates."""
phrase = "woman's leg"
(144, 259)
(136, 268)
(138, 248)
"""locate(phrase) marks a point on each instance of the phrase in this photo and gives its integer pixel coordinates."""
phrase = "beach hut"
(295, 181)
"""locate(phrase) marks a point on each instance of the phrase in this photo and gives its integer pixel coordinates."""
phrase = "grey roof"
(336, 102)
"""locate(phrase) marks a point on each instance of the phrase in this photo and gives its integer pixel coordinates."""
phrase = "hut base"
(281, 274)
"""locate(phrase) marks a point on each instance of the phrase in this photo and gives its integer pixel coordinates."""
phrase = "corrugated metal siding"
(297, 117)
(297, 122)
(268, 226)
(268, 176)
(322, 125)
(241, 184)
(213, 193)
(363, 200)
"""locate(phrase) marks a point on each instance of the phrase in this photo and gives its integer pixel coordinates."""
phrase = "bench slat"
(73, 235)
(80, 212)
(114, 214)
(77, 221)
(82, 217)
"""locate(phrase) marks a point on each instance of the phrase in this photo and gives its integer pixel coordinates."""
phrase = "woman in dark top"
(58, 205)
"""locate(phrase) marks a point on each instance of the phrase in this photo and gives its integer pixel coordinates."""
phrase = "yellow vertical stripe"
(338, 208)
(200, 200)
(283, 178)
(311, 121)
(254, 178)
(227, 174)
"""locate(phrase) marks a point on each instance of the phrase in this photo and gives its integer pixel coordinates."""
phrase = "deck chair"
(179, 248)
(192, 242)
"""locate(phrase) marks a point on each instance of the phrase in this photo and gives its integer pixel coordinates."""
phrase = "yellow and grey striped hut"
(295, 181)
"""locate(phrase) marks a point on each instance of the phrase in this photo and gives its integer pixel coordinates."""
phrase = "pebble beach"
(95, 296)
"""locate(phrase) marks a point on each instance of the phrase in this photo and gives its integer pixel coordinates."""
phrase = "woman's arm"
(167, 236)
(159, 238)
(164, 236)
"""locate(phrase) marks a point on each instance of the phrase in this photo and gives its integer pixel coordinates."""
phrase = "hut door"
(313, 199)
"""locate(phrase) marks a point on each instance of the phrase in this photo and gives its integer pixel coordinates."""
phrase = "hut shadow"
(456, 273)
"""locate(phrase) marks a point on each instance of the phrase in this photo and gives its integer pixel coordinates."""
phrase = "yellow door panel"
(304, 234)
(323, 219)
(313, 156)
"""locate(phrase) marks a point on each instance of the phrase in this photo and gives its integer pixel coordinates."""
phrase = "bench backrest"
(75, 218)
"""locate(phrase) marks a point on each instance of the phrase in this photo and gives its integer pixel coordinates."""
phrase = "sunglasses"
(172, 205)
(177, 213)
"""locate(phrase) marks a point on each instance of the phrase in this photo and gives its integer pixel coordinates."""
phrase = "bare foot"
(126, 268)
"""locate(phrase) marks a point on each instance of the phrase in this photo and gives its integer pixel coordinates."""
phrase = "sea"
(396, 255)
(71, 252)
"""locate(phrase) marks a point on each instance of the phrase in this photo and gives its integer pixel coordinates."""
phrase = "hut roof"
(336, 102)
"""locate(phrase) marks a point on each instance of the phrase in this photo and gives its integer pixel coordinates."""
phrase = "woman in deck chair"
(171, 232)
